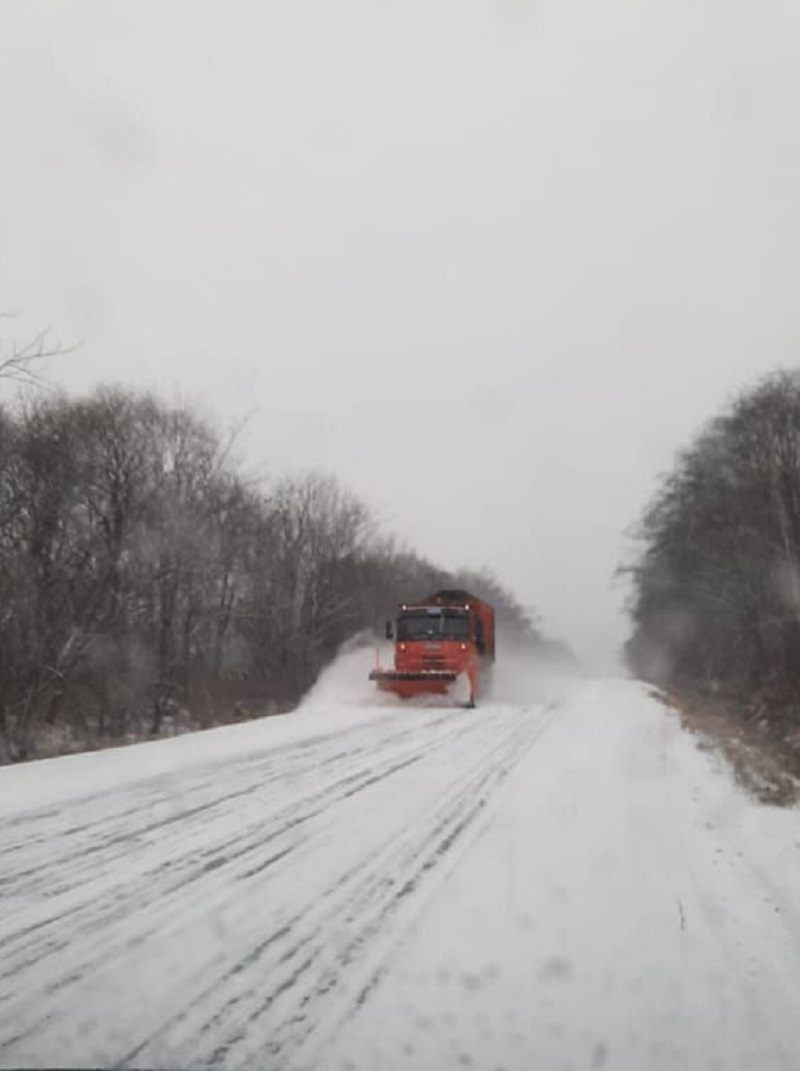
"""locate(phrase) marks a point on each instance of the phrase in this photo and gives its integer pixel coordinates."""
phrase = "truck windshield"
(435, 625)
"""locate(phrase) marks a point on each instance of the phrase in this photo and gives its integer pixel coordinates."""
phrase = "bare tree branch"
(23, 363)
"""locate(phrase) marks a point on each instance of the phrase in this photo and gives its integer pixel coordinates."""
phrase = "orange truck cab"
(445, 636)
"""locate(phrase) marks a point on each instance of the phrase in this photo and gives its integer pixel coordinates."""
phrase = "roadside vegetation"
(147, 587)
(716, 580)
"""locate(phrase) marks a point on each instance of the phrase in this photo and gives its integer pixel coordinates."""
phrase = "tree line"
(716, 581)
(145, 583)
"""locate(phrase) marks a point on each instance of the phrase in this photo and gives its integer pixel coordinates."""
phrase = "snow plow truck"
(438, 640)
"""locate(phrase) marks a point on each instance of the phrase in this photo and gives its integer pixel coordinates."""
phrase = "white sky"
(491, 263)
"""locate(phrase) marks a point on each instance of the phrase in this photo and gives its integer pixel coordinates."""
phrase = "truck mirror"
(389, 631)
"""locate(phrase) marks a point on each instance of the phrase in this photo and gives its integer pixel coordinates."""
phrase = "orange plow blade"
(407, 685)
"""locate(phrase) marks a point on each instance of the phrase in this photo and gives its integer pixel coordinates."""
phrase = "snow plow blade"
(408, 684)
(422, 675)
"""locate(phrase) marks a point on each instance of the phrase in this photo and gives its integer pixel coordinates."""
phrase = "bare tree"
(139, 572)
(304, 602)
(716, 587)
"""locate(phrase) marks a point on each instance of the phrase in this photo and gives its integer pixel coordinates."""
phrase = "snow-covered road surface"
(567, 884)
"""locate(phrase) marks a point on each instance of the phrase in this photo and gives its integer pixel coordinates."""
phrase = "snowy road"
(567, 884)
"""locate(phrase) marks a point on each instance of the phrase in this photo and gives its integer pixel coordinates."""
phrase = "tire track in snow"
(63, 842)
(265, 843)
(306, 969)
(177, 866)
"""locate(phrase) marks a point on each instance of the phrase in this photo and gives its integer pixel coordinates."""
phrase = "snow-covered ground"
(563, 882)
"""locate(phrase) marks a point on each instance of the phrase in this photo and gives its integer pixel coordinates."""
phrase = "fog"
(489, 263)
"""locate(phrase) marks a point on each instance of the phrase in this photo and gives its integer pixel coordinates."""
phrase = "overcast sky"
(491, 262)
